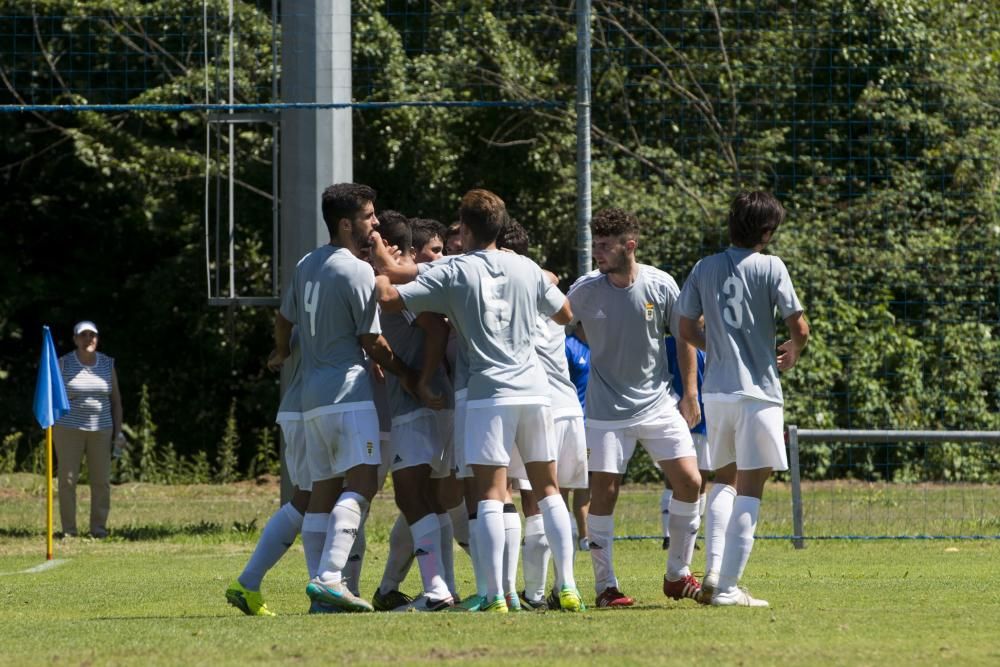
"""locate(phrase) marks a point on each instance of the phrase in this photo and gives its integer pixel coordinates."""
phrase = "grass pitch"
(153, 594)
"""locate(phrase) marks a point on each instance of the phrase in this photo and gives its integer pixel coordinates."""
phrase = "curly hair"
(513, 237)
(344, 200)
(615, 222)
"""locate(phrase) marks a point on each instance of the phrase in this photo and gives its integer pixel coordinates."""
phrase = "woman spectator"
(93, 422)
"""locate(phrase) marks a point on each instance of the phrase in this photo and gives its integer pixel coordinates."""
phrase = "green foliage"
(226, 458)
(8, 452)
(265, 460)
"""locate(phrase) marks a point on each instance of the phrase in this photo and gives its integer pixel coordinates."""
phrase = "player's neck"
(626, 275)
(346, 242)
(492, 245)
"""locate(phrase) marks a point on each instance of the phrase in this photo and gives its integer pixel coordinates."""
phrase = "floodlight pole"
(316, 146)
(583, 260)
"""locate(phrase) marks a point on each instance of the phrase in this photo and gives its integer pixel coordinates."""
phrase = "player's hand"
(429, 397)
(690, 410)
(788, 355)
(275, 360)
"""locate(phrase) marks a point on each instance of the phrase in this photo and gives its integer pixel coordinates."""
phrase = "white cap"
(86, 325)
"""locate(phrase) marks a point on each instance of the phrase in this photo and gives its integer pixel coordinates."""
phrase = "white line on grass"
(47, 565)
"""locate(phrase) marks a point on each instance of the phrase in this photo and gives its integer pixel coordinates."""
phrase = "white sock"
(739, 541)
(601, 533)
(356, 560)
(720, 509)
(490, 548)
(536, 558)
(665, 511)
(448, 552)
(397, 563)
(460, 525)
(511, 547)
(314, 526)
(684, 522)
(427, 550)
(278, 535)
(342, 530)
(559, 532)
(474, 542)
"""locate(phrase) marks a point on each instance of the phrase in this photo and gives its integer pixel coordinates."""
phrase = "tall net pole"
(316, 148)
(583, 137)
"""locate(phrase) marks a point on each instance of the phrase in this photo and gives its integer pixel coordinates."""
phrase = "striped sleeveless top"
(89, 392)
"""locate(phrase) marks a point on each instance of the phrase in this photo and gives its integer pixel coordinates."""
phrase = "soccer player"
(420, 442)
(281, 529)
(332, 299)
(626, 309)
(698, 436)
(570, 442)
(493, 300)
(738, 291)
(453, 240)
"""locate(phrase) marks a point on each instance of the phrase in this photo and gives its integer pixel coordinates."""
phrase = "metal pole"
(316, 146)
(793, 464)
(583, 188)
(232, 160)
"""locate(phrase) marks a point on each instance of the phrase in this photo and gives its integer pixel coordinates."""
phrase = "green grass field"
(153, 594)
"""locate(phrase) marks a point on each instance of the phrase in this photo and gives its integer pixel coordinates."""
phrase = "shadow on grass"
(150, 532)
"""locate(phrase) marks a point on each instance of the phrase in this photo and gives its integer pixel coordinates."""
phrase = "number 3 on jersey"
(310, 301)
(732, 313)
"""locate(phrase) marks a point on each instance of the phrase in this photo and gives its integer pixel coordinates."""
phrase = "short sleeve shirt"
(332, 300)
(493, 299)
(738, 291)
(625, 327)
(550, 346)
(407, 342)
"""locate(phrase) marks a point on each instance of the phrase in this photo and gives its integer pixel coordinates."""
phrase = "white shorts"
(665, 436)
(749, 432)
(458, 442)
(701, 448)
(296, 464)
(491, 433)
(571, 457)
(423, 437)
(339, 441)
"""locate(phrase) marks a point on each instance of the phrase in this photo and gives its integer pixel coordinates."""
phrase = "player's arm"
(692, 333)
(435, 344)
(564, 315)
(377, 347)
(790, 351)
(282, 342)
(687, 363)
(388, 296)
(398, 270)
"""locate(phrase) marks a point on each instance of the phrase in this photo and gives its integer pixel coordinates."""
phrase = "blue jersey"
(675, 371)
(578, 358)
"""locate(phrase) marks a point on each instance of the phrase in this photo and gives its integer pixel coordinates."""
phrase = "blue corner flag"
(51, 402)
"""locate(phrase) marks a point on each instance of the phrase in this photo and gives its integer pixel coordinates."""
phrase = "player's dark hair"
(484, 213)
(615, 222)
(424, 229)
(513, 237)
(394, 227)
(752, 216)
(344, 200)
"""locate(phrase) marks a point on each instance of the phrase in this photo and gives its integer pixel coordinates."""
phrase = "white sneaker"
(708, 585)
(736, 597)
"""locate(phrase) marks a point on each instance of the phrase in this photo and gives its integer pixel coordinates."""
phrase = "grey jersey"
(291, 402)
(493, 300)
(407, 342)
(332, 299)
(550, 345)
(625, 327)
(460, 362)
(738, 292)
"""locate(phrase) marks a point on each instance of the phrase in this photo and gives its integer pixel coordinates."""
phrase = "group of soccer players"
(373, 313)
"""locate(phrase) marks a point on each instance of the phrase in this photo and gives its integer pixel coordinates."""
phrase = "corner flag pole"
(48, 484)
(51, 403)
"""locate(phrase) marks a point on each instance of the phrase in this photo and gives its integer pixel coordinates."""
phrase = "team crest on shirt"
(371, 446)
(649, 312)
